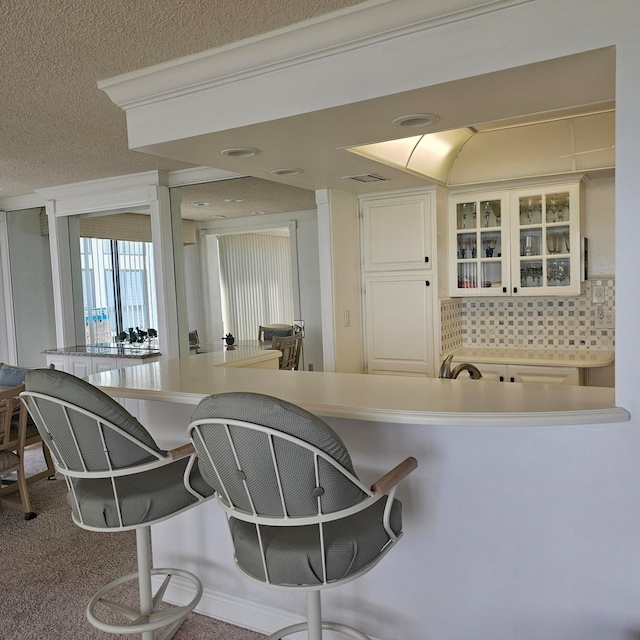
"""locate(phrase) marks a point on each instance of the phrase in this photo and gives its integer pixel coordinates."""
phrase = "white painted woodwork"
(399, 232)
(466, 269)
(547, 375)
(400, 282)
(500, 275)
(398, 310)
(528, 373)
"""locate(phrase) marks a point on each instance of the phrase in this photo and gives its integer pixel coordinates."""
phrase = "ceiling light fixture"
(416, 120)
(231, 200)
(201, 204)
(258, 213)
(286, 172)
(217, 217)
(240, 152)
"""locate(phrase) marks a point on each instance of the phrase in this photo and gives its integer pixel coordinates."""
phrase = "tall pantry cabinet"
(400, 281)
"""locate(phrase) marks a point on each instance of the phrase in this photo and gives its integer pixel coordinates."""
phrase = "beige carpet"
(50, 568)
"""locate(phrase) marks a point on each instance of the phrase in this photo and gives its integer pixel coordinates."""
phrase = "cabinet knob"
(513, 379)
(426, 258)
(427, 283)
(515, 289)
(504, 289)
(501, 378)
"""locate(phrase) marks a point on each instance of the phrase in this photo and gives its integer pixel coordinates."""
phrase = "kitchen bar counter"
(401, 400)
(462, 507)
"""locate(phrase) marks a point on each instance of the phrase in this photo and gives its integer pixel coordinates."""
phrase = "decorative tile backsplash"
(527, 323)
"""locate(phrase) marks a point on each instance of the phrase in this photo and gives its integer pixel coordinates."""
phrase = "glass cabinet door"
(479, 238)
(547, 232)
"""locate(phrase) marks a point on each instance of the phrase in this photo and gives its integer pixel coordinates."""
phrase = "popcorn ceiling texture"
(56, 126)
(527, 323)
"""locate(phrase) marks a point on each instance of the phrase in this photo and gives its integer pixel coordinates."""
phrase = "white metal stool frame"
(386, 485)
(148, 617)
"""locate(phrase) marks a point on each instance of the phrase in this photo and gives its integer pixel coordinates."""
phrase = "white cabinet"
(400, 281)
(479, 244)
(398, 311)
(82, 366)
(398, 232)
(545, 240)
(517, 242)
(527, 373)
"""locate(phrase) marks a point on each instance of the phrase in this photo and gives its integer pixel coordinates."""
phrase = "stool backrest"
(85, 429)
(269, 458)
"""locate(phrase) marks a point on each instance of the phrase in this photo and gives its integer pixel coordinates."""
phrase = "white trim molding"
(237, 611)
(365, 24)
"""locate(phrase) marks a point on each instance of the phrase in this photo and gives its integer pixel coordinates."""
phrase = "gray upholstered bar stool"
(118, 479)
(299, 517)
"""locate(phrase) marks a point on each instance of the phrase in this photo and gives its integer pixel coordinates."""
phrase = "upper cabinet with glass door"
(479, 244)
(518, 242)
(545, 239)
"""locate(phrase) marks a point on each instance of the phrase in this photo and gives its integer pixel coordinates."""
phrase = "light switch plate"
(597, 293)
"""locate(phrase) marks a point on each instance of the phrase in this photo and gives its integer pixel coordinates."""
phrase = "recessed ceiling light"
(217, 217)
(240, 152)
(230, 200)
(416, 120)
(258, 213)
(201, 204)
(286, 172)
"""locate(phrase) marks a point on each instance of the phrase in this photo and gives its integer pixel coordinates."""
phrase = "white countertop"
(583, 358)
(240, 356)
(393, 399)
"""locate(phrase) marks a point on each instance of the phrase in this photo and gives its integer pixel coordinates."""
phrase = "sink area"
(447, 372)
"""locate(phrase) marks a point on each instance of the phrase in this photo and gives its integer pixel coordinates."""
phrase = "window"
(118, 287)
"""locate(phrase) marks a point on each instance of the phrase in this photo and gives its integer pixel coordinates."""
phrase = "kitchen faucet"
(447, 372)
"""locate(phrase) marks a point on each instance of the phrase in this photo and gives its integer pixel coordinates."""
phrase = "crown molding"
(356, 27)
(19, 203)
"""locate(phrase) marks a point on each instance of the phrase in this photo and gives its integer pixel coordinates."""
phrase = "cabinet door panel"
(80, 367)
(398, 233)
(546, 375)
(399, 331)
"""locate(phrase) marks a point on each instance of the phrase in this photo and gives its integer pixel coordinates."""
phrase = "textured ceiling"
(56, 126)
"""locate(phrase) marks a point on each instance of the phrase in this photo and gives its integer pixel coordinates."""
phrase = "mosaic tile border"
(527, 323)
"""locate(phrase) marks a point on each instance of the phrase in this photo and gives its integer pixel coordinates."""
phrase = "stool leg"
(314, 615)
(144, 575)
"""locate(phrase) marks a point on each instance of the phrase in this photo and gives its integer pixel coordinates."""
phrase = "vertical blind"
(255, 282)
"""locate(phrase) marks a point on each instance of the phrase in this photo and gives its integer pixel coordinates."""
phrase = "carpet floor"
(51, 568)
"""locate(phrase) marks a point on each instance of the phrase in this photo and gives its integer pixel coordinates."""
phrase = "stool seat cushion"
(143, 497)
(293, 553)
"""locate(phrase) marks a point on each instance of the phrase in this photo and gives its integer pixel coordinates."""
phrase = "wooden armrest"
(391, 478)
(182, 451)
(12, 392)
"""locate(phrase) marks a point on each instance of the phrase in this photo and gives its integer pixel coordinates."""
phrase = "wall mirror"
(250, 259)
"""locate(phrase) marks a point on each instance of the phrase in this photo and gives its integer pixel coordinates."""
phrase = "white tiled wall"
(527, 323)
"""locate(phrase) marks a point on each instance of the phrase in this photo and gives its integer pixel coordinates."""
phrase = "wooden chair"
(22, 433)
(269, 331)
(291, 348)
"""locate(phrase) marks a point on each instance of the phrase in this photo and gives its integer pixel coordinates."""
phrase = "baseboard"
(235, 610)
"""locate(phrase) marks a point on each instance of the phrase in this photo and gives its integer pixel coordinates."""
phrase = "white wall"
(341, 277)
(32, 287)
